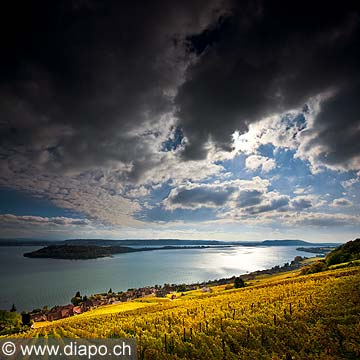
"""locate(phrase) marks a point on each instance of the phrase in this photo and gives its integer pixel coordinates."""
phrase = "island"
(78, 251)
(85, 252)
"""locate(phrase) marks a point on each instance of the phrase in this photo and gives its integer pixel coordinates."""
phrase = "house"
(86, 305)
(67, 311)
(161, 293)
(54, 314)
(38, 316)
(96, 303)
(123, 297)
(77, 310)
(191, 287)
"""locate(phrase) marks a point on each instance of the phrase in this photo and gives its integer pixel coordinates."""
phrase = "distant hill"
(286, 243)
(177, 242)
(143, 242)
(157, 242)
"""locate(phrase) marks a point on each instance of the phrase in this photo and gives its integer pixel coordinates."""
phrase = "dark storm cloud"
(249, 198)
(79, 80)
(267, 57)
(338, 129)
(276, 203)
(199, 196)
(77, 77)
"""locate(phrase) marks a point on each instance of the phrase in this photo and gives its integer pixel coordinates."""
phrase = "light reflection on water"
(31, 283)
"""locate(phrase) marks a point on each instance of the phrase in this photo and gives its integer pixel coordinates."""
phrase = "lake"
(32, 283)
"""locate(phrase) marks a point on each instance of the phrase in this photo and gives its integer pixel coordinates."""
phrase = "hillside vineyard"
(307, 317)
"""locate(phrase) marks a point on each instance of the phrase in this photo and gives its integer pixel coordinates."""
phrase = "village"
(80, 304)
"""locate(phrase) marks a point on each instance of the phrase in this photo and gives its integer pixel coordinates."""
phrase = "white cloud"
(112, 193)
(300, 132)
(341, 202)
(299, 191)
(349, 183)
(322, 220)
(254, 162)
(279, 130)
(53, 221)
(45, 227)
(169, 167)
(137, 192)
(88, 194)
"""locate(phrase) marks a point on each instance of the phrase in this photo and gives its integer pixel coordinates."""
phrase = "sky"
(229, 120)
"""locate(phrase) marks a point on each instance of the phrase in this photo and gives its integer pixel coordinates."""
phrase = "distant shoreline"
(317, 250)
(160, 242)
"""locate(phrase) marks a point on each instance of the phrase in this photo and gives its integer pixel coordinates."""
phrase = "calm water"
(31, 283)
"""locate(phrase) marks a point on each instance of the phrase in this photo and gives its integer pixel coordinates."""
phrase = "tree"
(10, 322)
(316, 267)
(77, 299)
(238, 283)
(13, 308)
(25, 318)
(181, 288)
